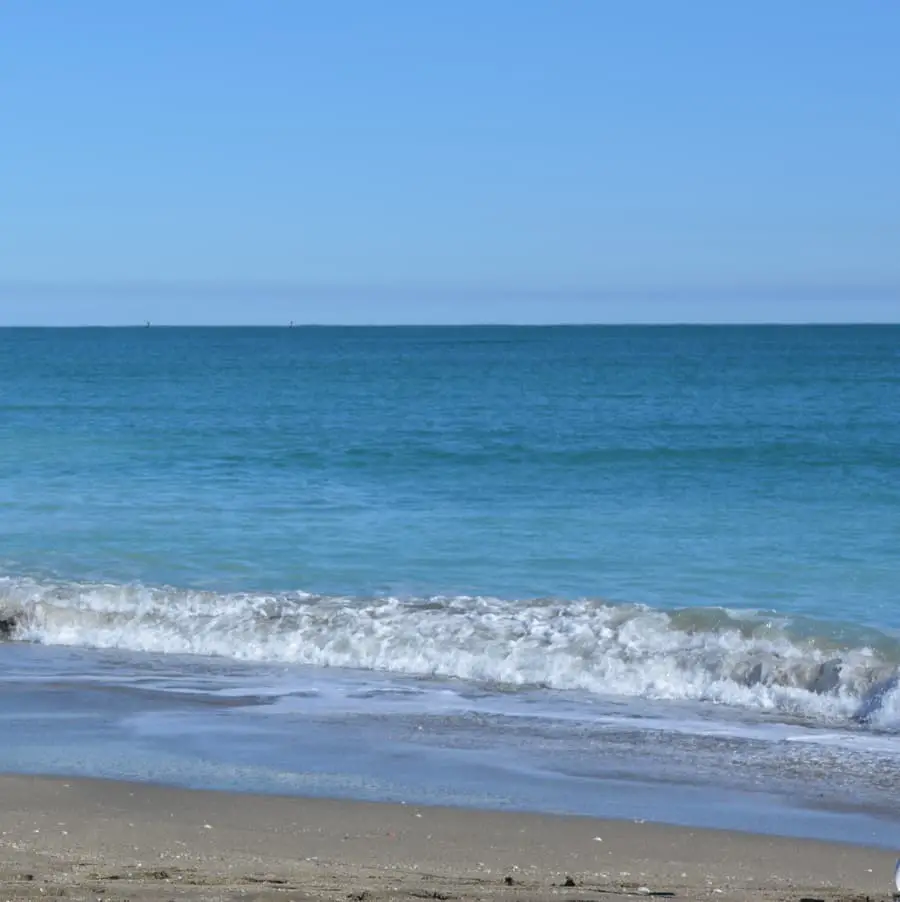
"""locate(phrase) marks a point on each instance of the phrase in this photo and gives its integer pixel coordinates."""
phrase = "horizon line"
(573, 324)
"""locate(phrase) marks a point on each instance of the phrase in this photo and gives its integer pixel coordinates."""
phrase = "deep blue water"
(640, 516)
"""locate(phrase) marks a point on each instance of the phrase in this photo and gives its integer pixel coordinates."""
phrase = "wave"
(789, 667)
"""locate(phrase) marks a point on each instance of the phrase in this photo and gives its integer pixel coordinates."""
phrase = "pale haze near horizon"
(403, 163)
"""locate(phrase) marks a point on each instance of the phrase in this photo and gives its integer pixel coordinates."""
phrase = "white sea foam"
(710, 654)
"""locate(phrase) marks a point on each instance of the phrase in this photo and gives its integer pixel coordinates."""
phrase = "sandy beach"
(83, 839)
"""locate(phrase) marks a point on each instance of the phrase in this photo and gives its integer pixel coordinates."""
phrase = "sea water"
(646, 572)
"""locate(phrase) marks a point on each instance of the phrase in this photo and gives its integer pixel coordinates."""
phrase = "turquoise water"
(547, 517)
(747, 467)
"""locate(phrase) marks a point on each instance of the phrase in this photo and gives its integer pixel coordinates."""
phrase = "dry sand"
(97, 840)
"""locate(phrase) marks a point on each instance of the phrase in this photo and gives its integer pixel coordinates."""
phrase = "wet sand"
(112, 841)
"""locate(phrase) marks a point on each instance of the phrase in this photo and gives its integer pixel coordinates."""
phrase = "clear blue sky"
(412, 161)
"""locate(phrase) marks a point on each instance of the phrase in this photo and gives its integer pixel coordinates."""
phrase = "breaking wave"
(789, 667)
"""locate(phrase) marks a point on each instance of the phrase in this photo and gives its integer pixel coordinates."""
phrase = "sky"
(216, 161)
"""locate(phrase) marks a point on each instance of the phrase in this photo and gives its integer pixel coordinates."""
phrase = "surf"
(790, 668)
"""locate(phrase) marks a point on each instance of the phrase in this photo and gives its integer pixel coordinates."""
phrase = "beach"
(450, 454)
(589, 579)
(94, 839)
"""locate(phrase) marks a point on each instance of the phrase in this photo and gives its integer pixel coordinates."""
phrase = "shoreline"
(86, 839)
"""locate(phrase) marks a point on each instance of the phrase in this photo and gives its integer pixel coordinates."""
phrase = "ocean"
(643, 572)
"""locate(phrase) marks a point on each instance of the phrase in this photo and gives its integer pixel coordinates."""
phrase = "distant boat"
(147, 324)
